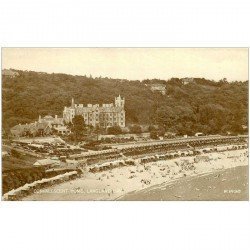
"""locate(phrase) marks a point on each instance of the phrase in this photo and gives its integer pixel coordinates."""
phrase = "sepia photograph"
(125, 124)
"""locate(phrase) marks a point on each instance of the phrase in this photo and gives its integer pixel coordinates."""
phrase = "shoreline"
(177, 190)
(110, 185)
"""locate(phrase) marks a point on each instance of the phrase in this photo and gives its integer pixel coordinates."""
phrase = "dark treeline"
(205, 106)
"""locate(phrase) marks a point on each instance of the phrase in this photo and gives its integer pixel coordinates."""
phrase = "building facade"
(187, 80)
(158, 87)
(43, 127)
(105, 115)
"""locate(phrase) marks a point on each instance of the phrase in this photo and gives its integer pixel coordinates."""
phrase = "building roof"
(42, 125)
(71, 161)
(17, 127)
(45, 162)
(62, 128)
(158, 85)
(9, 72)
(57, 121)
(98, 109)
(48, 117)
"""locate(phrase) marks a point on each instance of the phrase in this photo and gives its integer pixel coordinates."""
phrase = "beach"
(223, 185)
(119, 182)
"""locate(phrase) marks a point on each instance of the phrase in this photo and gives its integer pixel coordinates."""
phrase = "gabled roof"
(62, 128)
(18, 128)
(45, 162)
(48, 117)
(58, 121)
(42, 125)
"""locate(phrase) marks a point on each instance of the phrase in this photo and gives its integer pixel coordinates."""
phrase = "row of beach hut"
(111, 164)
(28, 188)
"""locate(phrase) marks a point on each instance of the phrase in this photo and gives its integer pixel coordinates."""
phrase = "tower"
(119, 101)
(72, 103)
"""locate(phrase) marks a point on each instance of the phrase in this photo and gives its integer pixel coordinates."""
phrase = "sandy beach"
(229, 184)
(115, 183)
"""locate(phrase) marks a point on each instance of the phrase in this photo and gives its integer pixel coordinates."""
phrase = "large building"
(105, 115)
(158, 87)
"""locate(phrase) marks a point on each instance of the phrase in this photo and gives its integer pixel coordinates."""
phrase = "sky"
(133, 63)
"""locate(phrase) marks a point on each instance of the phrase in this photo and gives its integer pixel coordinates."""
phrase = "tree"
(153, 134)
(199, 102)
(97, 131)
(161, 131)
(151, 128)
(135, 129)
(15, 153)
(78, 128)
(115, 130)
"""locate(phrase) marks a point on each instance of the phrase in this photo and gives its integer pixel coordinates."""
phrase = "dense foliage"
(78, 128)
(114, 130)
(205, 106)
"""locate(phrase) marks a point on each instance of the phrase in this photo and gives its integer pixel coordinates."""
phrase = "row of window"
(102, 115)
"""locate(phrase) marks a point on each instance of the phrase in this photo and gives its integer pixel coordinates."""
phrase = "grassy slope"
(23, 161)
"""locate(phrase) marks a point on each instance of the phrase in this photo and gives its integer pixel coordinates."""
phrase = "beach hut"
(64, 177)
(72, 175)
(25, 190)
(71, 163)
(43, 183)
(34, 185)
(11, 195)
(144, 160)
(5, 197)
(199, 158)
(130, 161)
(18, 193)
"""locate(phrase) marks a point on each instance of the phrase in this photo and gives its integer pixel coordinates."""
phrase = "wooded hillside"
(204, 106)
